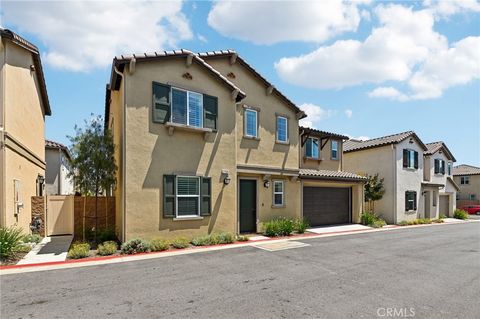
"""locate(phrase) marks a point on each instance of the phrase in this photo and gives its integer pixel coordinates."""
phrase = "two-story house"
(398, 159)
(467, 177)
(203, 143)
(58, 174)
(23, 107)
(329, 194)
(438, 169)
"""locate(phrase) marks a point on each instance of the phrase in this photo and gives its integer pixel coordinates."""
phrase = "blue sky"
(364, 68)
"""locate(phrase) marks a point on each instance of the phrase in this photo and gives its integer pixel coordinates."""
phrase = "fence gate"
(59, 215)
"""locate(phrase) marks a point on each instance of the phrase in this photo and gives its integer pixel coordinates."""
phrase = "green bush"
(158, 244)
(279, 226)
(32, 238)
(460, 214)
(422, 221)
(206, 240)
(10, 237)
(107, 234)
(107, 248)
(242, 238)
(180, 242)
(22, 248)
(134, 246)
(79, 250)
(403, 223)
(300, 225)
(372, 220)
(224, 238)
(442, 216)
(378, 223)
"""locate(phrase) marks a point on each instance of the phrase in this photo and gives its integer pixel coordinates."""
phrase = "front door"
(248, 206)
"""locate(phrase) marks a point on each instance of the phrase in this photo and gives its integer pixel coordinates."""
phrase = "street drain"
(281, 245)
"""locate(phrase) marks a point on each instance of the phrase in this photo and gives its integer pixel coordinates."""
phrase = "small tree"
(93, 162)
(374, 191)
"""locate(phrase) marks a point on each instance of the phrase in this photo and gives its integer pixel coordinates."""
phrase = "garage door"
(444, 205)
(326, 205)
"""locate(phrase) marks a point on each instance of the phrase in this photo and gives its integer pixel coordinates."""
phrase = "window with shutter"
(188, 196)
(169, 200)
(161, 103)
(410, 200)
(210, 112)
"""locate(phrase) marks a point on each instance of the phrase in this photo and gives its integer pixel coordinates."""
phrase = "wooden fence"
(84, 215)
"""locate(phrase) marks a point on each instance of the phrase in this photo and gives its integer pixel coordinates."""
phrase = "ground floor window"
(410, 200)
(186, 196)
(278, 193)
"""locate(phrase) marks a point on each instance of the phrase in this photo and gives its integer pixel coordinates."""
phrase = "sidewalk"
(50, 249)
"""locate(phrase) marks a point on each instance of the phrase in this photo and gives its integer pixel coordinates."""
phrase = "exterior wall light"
(266, 184)
(226, 176)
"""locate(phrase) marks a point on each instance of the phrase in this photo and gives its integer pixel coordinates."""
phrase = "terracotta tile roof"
(230, 53)
(335, 175)
(121, 60)
(56, 145)
(465, 169)
(433, 147)
(18, 40)
(356, 145)
(312, 131)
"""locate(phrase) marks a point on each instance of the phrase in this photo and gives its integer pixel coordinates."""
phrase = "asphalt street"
(430, 272)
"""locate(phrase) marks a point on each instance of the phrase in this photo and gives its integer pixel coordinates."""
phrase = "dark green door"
(248, 206)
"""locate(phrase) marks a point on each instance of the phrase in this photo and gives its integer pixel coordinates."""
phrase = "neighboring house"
(58, 180)
(438, 169)
(203, 143)
(329, 195)
(467, 178)
(399, 159)
(24, 105)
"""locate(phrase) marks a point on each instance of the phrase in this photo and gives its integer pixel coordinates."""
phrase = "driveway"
(432, 271)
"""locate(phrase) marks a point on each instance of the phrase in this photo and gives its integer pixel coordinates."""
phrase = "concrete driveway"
(432, 271)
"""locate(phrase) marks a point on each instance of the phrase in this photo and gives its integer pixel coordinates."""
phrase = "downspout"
(60, 172)
(3, 165)
(394, 149)
(123, 152)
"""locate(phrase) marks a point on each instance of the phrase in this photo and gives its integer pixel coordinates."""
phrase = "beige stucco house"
(23, 107)
(58, 178)
(467, 177)
(412, 182)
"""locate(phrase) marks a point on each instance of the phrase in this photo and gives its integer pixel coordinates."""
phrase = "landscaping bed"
(14, 245)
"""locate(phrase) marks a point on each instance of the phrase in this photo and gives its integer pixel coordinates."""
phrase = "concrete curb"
(94, 261)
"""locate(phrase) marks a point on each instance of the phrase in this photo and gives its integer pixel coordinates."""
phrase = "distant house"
(468, 179)
(57, 179)
(24, 105)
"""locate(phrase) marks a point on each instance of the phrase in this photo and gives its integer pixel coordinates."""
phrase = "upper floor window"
(334, 150)
(410, 159)
(410, 200)
(464, 180)
(439, 166)
(251, 122)
(449, 167)
(311, 147)
(184, 107)
(282, 129)
(278, 193)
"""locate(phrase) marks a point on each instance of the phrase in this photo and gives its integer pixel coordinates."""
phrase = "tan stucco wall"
(325, 161)
(24, 121)
(472, 188)
(357, 194)
(264, 151)
(372, 161)
(151, 152)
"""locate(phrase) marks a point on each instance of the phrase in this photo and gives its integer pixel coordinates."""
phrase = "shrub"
(79, 250)
(206, 240)
(10, 237)
(442, 216)
(378, 223)
(159, 244)
(460, 214)
(107, 248)
(22, 248)
(32, 238)
(439, 220)
(279, 226)
(224, 238)
(300, 225)
(242, 238)
(134, 246)
(180, 243)
(422, 221)
(403, 223)
(107, 234)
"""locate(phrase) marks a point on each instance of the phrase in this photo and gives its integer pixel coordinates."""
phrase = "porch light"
(266, 183)
(227, 180)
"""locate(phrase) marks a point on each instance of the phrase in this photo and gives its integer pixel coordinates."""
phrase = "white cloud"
(201, 38)
(444, 8)
(360, 138)
(265, 22)
(404, 48)
(315, 114)
(349, 113)
(83, 35)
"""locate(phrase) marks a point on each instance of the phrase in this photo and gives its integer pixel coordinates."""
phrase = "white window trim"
(246, 121)
(466, 180)
(336, 149)
(286, 129)
(279, 193)
(184, 196)
(188, 107)
(318, 146)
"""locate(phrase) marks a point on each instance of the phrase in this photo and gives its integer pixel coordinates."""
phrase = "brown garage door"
(444, 205)
(326, 205)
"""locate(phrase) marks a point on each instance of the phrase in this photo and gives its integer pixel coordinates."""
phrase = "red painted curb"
(299, 236)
